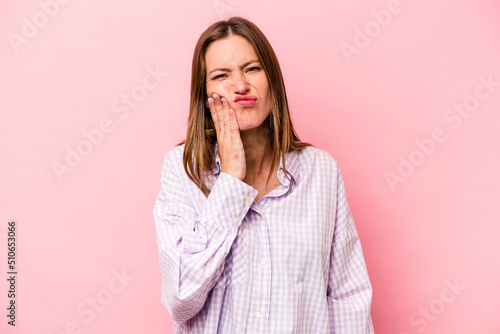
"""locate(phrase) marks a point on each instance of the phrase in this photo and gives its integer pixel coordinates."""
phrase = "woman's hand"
(231, 151)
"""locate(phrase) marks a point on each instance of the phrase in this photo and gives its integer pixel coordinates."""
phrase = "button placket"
(262, 287)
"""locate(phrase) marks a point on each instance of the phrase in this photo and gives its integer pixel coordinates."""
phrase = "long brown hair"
(201, 136)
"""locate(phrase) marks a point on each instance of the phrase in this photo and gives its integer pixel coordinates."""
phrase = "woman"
(254, 231)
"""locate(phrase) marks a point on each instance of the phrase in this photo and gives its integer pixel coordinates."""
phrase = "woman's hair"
(201, 136)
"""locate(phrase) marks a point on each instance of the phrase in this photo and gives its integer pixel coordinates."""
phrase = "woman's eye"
(218, 76)
(250, 69)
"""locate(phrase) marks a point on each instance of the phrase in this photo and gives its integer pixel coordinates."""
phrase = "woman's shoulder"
(173, 159)
(308, 159)
(175, 154)
(319, 166)
(316, 157)
(312, 163)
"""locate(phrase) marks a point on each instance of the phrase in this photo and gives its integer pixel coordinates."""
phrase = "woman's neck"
(258, 149)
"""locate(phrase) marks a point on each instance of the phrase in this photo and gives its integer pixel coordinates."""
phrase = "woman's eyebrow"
(228, 70)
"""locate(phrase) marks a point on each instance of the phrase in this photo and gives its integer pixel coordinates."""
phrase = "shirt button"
(248, 199)
(236, 219)
(262, 263)
(259, 314)
(282, 174)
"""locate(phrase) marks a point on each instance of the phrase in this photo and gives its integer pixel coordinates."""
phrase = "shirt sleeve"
(349, 290)
(193, 245)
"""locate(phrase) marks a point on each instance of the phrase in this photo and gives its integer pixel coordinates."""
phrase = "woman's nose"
(240, 84)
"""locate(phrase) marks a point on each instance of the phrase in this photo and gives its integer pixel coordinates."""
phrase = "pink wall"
(396, 91)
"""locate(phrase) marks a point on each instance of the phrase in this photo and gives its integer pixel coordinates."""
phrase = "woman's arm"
(349, 290)
(193, 245)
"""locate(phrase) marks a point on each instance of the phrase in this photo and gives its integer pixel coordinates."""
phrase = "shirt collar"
(292, 163)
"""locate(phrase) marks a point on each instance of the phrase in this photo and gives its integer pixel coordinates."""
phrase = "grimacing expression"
(235, 73)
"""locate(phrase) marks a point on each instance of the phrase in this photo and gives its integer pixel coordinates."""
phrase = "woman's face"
(235, 73)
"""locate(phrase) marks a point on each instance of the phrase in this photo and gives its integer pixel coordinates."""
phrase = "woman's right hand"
(231, 150)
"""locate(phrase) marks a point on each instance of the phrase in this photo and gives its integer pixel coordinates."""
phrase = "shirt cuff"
(228, 202)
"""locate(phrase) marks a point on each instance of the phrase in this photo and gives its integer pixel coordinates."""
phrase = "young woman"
(254, 230)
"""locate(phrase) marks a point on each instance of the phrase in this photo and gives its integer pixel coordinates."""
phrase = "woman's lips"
(246, 102)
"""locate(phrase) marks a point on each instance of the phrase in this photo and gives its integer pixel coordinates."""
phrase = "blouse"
(290, 263)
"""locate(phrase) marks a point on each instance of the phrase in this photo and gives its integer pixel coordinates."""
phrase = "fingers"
(233, 125)
(213, 113)
(231, 150)
(219, 111)
(225, 115)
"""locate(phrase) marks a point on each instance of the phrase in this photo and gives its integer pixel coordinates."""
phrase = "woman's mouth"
(246, 100)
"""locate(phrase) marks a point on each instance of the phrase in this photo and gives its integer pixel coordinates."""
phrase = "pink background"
(435, 227)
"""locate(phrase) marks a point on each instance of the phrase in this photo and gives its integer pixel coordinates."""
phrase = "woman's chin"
(252, 124)
(247, 126)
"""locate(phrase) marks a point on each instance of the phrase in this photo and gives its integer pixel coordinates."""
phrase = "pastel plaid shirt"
(289, 263)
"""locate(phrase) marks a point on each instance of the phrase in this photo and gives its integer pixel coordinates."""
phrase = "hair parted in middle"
(199, 155)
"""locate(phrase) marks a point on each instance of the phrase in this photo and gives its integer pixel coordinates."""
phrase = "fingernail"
(215, 97)
(223, 100)
(230, 111)
(210, 100)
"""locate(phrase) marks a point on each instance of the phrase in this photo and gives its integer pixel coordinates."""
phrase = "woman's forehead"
(231, 50)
